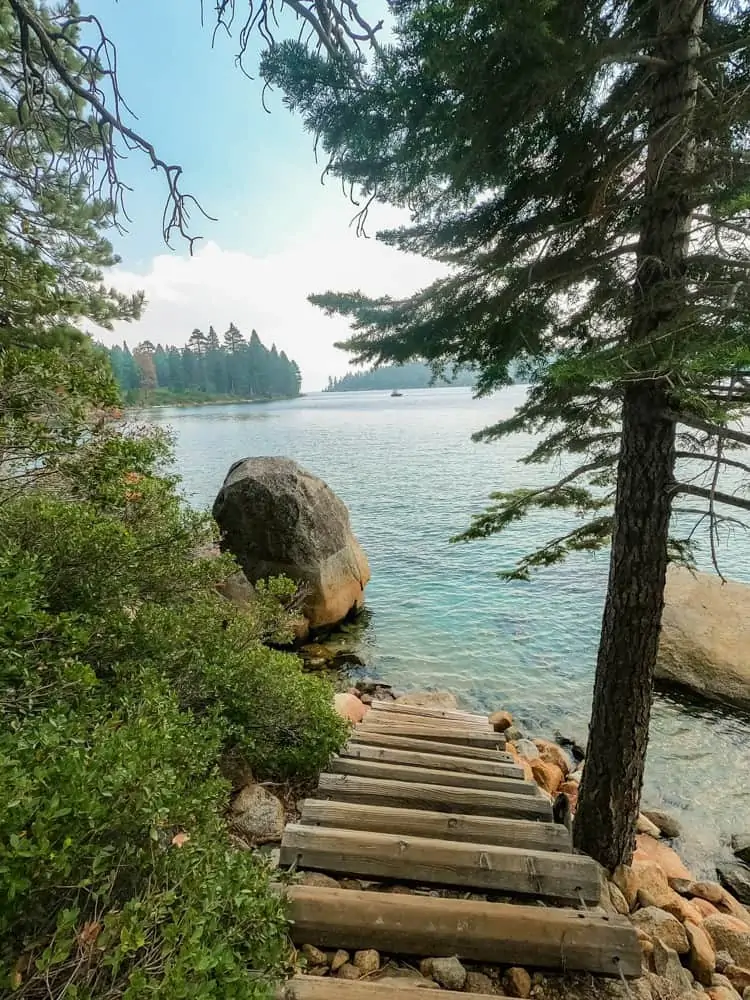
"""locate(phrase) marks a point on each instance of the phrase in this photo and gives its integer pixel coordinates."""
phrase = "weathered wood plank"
(440, 734)
(440, 798)
(430, 776)
(392, 708)
(328, 988)
(532, 834)
(442, 762)
(385, 719)
(567, 878)
(505, 934)
(372, 738)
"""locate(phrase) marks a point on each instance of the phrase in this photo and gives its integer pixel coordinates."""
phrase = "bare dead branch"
(730, 499)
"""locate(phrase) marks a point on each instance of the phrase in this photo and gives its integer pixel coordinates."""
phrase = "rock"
(648, 849)
(477, 982)
(316, 970)
(576, 748)
(349, 707)
(703, 906)
(662, 926)
(551, 753)
(570, 789)
(728, 904)
(527, 749)
(746, 994)
(738, 976)
(668, 825)
(672, 903)
(349, 971)
(710, 891)
(513, 734)
(627, 882)
(319, 880)
(517, 982)
(367, 961)
(257, 815)
(741, 846)
(651, 879)
(429, 699)
(391, 975)
(548, 776)
(501, 721)
(351, 884)
(723, 959)
(705, 636)
(736, 878)
(339, 958)
(314, 955)
(730, 934)
(722, 993)
(277, 518)
(644, 825)
(618, 900)
(448, 972)
(667, 964)
(316, 651)
(702, 959)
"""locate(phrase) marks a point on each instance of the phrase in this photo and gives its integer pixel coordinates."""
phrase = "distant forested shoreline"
(413, 375)
(207, 369)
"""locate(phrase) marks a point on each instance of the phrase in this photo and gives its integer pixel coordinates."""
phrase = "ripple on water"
(412, 478)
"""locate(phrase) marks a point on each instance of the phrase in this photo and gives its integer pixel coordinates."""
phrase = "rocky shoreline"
(694, 934)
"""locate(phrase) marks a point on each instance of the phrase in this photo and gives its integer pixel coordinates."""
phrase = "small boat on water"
(396, 393)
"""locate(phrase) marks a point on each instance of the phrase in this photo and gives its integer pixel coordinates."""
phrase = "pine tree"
(583, 170)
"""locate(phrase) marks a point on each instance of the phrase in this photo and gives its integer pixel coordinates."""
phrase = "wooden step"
(394, 708)
(534, 835)
(330, 988)
(440, 734)
(442, 762)
(501, 933)
(440, 798)
(381, 719)
(569, 878)
(429, 746)
(430, 776)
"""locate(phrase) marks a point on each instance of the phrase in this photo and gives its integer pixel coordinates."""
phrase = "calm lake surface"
(440, 617)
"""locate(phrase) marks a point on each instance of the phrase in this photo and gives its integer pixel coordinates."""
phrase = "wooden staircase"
(429, 797)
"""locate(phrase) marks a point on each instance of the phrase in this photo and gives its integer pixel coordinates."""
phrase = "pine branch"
(713, 430)
(712, 496)
(703, 457)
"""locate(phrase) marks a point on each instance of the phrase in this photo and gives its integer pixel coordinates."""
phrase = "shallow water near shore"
(440, 617)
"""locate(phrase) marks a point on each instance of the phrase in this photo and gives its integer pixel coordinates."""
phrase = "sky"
(279, 236)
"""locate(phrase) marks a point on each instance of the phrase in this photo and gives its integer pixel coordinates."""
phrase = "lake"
(440, 616)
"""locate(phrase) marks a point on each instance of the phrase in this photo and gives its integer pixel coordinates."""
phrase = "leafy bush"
(125, 682)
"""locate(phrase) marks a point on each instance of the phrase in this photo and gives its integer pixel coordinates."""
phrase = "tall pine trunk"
(618, 735)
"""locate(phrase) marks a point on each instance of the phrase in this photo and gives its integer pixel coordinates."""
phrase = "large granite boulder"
(705, 637)
(277, 518)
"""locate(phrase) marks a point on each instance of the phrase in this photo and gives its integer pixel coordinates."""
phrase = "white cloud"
(268, 294)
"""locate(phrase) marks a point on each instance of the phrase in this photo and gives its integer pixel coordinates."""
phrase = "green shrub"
(125, 682)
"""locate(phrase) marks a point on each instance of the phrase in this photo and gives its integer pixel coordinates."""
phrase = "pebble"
(319, 880)
(340, 958)
(517, 982)
(314, 955)
(448, 972)
(477, 982)
(349, 971)
(367, 961)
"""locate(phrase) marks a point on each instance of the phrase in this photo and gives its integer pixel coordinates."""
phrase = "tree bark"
(618, 735)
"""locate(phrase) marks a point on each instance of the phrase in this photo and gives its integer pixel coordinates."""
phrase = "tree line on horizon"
(413, 375)
(206, 366)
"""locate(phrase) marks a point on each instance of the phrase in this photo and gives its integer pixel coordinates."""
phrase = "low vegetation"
(125, 683)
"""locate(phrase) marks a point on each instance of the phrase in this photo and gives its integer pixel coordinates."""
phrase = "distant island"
(414, 375)
(208, 369)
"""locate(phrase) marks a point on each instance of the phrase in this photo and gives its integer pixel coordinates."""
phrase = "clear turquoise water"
(411, 478)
